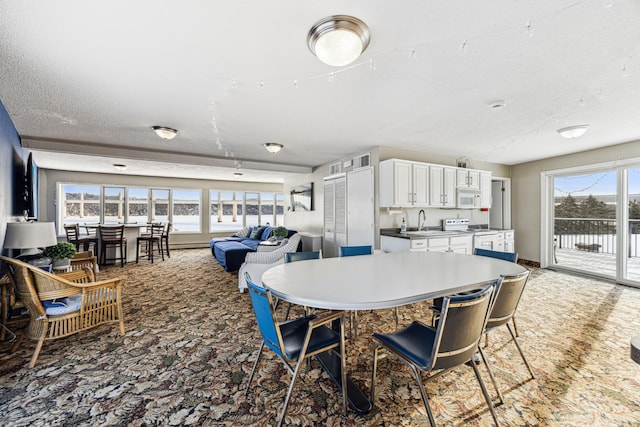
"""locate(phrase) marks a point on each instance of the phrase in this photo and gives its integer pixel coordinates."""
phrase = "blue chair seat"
(414, 342)
(293, 334)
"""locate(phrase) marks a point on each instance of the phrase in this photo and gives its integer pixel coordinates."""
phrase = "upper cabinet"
(403, 183)
(468, 178)
(442, 186)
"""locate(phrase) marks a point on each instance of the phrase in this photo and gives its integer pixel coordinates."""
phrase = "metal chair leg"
(253, 370)
(485, 393)
(423, 393)
(524, 359)
(493, 379)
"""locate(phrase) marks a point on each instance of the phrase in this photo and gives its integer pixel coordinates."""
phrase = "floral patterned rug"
(191, 339)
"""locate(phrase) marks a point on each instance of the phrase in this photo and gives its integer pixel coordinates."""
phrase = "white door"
(360, 207)
(329, 245)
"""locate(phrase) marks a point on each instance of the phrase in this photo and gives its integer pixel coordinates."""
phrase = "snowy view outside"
(181, 207)
(585, 218)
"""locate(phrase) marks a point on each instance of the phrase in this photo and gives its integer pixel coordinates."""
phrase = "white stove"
(455, 224)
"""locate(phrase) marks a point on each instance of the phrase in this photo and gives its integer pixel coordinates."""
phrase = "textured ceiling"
(232, 75)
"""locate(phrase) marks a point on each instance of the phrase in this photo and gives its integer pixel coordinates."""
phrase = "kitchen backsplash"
(433, 216)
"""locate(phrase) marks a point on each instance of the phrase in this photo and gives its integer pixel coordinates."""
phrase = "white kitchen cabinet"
(442, 186)
(509, 241)
(399, 244)
(335, 215)
(485, 190)
(403, 184)
(468, 178)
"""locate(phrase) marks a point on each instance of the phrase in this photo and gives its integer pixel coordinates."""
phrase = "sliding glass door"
(585, 207)
(594, 222)
(632, 264)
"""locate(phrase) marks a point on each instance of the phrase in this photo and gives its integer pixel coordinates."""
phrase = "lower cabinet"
(456, 244)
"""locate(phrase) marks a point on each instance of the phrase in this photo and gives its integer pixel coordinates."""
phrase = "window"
(225, 210)
(113, 206)
(186, 211)
(159, 205)
(252, 209)
(138, 205)
(279, 209)
(79, 204)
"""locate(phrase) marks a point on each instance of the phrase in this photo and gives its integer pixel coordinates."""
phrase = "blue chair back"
(265, 316)
(301, 256)
(355, 250)
(462, 321)
(507, 256)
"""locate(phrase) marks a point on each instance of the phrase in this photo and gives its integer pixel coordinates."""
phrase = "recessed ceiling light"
(273, 147)
(237, 174)
(165, 132)
(571, 132)
(496, 105)
(120, 167)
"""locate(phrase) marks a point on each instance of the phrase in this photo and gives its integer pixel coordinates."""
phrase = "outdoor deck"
(596, 262)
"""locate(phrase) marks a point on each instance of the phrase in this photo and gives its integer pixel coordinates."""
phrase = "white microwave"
(467, 199)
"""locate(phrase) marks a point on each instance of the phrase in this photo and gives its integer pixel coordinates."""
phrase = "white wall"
(526, 197)
(49, 179)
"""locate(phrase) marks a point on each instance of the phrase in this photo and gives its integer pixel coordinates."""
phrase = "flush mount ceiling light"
(573, 131)
(338, 40)
(237, 174)
(496, 105)
(165, 132)
(120, 167)
(273, 147)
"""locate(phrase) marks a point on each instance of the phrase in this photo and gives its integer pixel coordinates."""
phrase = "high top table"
(380, 281)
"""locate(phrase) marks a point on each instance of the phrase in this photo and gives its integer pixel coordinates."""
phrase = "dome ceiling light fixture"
(164, 132)
(573, 131)
(338, 40)
(273, 147)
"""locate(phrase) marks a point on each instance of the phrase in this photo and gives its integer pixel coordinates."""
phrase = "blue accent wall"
(12, 167)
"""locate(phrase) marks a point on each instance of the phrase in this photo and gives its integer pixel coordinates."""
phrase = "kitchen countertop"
(413, 233)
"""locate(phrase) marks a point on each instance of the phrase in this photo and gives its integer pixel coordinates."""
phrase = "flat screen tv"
(31, 189)
(302, 197)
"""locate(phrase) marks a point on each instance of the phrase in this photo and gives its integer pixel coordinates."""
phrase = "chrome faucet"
(424, 216)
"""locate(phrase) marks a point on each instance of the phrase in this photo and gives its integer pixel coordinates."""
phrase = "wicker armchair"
(256, 263)
(99, 302)
(82, 260)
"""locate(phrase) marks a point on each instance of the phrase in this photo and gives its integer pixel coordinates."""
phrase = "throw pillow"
(242, 232)
(256, 233)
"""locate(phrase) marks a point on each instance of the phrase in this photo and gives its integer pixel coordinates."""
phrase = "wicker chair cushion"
(62, 305)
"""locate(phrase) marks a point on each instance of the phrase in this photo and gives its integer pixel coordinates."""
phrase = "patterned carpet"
(191, 339)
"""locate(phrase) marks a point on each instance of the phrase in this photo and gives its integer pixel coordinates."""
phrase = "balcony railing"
(594, 235)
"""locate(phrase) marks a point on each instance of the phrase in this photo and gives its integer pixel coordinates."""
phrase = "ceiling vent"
(362, 161)
(335, 168)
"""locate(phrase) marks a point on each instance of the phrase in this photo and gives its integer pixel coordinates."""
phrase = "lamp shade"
(29, 236)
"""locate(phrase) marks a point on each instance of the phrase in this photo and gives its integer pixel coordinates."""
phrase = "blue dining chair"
(295, 340)
(506, 256)
(356, 250)
(346, 251)
(453, 343)
(299, 256)
(504, 308)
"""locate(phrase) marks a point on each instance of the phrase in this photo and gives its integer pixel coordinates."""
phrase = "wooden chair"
(149, 239)
(73, 236)
(164, 243)
(113, 236)
(98, 302)
(85, 260)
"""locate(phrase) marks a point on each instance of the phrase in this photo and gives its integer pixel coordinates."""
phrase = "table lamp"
(29, 237)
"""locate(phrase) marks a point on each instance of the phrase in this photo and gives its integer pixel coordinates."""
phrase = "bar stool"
(153, 236)
(74, 237)
(165, 239)
(112, 236)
